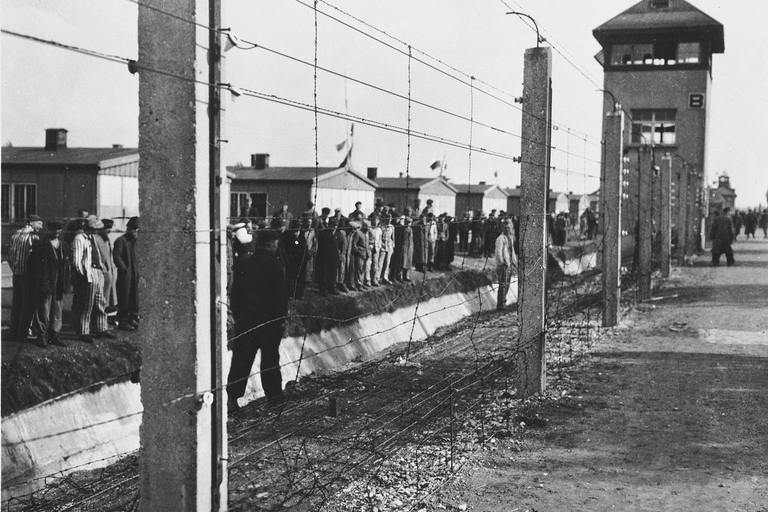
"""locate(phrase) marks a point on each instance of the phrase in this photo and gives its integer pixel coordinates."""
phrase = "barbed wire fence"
(406, 417)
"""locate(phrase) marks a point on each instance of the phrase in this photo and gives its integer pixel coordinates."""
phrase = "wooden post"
(179, 437)
(645, 225)
(610, 214)
(665, 184)
(534, 184)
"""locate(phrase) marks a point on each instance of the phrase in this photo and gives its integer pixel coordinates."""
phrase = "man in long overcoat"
(259, 301)
(124, 254)
(49, 266)
(722, 236)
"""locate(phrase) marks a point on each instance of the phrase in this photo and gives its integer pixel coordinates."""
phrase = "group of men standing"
(81, 261)
(276, 262)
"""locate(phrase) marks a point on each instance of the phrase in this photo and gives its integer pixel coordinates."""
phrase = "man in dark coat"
(259, 305)
(722, 236)
(327, 261)
(49, 267)
(124, 254)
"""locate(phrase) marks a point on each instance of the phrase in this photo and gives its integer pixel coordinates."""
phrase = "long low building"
(259, 190)
(55, 181)
(415, 192)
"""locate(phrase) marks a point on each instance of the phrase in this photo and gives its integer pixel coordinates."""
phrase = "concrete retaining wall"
(92, 429)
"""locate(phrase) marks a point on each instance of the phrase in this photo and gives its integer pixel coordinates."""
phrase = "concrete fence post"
(534, 184)
(610, 215)
(682, 214)
(645, 222)
(179, 442)
(666, 213)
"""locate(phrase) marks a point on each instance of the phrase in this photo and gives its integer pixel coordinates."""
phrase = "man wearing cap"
(260, 307)
(49, 264)
(361, 252)
(127, 277)
(325, 213)
(22, 309)
(110, 274)
(387, 248)
(357, 213)
(88, 280)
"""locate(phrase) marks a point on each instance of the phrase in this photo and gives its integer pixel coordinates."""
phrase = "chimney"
(55, 138)
(482, 183)
(260, 161)
(117, 146)
(372, 173)
(401, 175)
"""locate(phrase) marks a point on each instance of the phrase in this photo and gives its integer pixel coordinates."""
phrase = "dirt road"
(670, 414)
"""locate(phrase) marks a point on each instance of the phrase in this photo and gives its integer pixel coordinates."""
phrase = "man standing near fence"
(259, 303)
(49, 266)
(506, 260)
(22, 308)
(387, 248)
(88, 281)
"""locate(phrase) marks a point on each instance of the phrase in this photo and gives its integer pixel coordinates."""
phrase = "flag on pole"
(347, 162)
(341, 145)
(435, 164)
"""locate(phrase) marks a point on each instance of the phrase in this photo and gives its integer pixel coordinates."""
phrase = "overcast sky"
(97, 101)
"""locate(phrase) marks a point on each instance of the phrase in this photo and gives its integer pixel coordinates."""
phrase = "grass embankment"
(32, 376)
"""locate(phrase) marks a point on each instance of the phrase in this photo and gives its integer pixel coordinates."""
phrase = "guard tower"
(657, 57)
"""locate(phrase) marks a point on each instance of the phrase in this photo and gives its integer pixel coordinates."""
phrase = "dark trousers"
(23, 306)
(47, 319)
(250, 338)
(719, 248)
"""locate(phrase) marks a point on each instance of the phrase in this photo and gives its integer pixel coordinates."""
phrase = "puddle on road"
(723, 337)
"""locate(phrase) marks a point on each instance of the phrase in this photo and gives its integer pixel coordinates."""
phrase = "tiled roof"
(401, 182)
(306, 174)
(476, 189)
(411, 183)
(680, 15)
(280, 173)
(64, 156)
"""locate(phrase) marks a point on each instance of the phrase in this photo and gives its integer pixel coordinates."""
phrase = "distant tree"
(8, 144)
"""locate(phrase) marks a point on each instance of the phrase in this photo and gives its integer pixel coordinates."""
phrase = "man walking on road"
(722, 237)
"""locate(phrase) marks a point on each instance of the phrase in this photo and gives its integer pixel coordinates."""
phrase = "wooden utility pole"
(665, 184)
(610, 215)
(182, 431)
(534, 184)
(645, 224)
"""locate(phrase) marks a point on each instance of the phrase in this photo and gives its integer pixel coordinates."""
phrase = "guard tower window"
(661, 53)
(653, 127)
(689, 53)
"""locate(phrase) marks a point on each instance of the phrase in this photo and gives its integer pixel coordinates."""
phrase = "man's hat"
(108, 223)
(93, 222)
(133, 223)
(326, 210)
(267, 235)
(35, 218)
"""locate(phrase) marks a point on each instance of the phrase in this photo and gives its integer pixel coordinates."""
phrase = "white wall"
(345, 199)
(494, 203)
(118, 199)
(441, 204)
